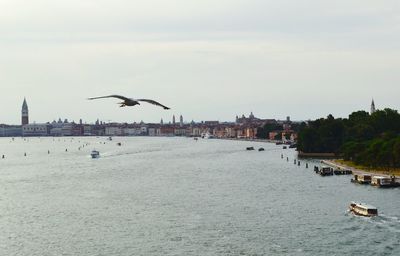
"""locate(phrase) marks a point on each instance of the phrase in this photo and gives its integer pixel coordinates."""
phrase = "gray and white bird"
(130, 102)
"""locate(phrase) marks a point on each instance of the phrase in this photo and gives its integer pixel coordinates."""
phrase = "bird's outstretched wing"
(110, 96)
(153, 102)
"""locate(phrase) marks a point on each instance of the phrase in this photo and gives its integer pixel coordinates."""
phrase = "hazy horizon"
(206, 60)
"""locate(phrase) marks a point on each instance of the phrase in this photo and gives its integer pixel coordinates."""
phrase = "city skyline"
(205, 60)
(25, 118)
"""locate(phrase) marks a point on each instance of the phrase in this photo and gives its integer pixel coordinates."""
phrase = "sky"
(206, 60)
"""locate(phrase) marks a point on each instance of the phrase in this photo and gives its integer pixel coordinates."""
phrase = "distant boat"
(209, 136)
(250, 148)
(261, 149)
(119, 144)
(325, 171)
(384, 182)
(363, 209)
(361, 178)
(95, 154)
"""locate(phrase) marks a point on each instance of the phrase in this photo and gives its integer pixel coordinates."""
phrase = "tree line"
(367, 139)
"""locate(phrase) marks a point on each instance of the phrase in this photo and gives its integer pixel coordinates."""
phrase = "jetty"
(365, 177)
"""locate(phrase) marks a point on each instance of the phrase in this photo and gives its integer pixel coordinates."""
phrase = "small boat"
(325, 171)
(95, 154)
(284, 147)
(110, 138)
(363, 209)
(384, 182)
(208, 136)
(250, 148)
(119, 144)
(361, 178)
(261, 149)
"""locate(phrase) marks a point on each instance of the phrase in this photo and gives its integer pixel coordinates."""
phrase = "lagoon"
(177, 196)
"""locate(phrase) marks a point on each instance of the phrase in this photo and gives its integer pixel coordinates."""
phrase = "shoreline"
(335, 164)
(249, 140)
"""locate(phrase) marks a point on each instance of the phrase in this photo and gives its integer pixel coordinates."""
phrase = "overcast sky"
(207, 60)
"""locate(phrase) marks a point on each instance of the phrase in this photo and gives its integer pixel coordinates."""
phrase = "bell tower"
(24, 113)
(373, 107)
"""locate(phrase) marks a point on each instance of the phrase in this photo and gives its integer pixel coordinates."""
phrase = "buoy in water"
(3, 157)
(282, 156)
(306, 165)
(24, 154)
(287, 159)
(298, 163)
(66, 150)
(48, 151)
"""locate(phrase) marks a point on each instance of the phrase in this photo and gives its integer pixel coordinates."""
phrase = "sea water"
(178, 196)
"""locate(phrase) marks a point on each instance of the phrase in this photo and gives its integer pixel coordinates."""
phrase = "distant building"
(373, 107)
(244, 119)
(173, 119)
(24, 113)
(181, 121)
(113, 131)
(10, 130)
(35, 130)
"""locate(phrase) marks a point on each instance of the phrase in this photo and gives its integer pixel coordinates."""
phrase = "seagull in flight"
(130, 102)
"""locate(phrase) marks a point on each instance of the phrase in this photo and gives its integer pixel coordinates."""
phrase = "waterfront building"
(24, 113)
(87, 130)
(113, 131)
(10, 131)
(180, 131)
(77, 129)
(167, 130)
(67, 129)
(35, 130)
(152, 131)
(56, 131)
(131, 131)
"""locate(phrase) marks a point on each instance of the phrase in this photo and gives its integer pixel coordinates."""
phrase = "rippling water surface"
(176, 196)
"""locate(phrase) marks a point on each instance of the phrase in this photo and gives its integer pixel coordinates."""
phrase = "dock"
(358, 172)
